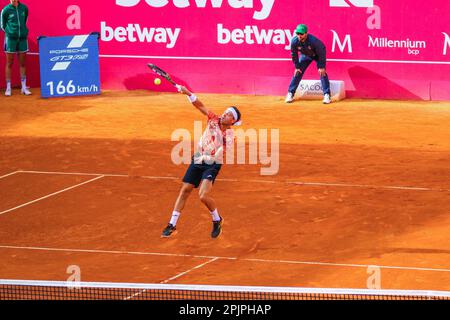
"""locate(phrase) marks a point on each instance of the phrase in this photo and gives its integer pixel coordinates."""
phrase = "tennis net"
(61, 290)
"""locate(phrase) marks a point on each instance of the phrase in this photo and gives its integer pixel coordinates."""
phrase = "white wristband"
(192, 98)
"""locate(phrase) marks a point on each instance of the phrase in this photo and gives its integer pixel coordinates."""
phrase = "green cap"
(301, 28)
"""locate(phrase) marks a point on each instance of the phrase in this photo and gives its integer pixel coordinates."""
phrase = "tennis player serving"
(206, 162)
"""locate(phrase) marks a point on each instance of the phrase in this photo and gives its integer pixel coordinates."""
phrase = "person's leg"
(185, 191)
(208, 201)
(8, 68)
(191, 180)
(325, 84)
(326, 89)
(205, 195)
(23, 72)
(295, 82)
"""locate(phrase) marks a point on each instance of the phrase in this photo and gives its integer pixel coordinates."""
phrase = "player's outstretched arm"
(193, 99)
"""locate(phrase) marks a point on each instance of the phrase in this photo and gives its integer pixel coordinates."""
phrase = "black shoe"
(217, 228)
(168, 231)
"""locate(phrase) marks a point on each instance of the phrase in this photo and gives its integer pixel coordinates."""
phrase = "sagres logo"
(74, 51)
(356, 3)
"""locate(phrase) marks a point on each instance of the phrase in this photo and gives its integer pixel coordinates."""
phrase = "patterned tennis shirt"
(214, 137)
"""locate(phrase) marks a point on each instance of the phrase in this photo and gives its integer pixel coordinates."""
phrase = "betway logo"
(76, 42)
(254, 35)
(134, 33)
(356, 3)
(266, 5)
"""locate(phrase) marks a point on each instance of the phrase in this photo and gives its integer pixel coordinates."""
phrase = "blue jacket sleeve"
(294, 52)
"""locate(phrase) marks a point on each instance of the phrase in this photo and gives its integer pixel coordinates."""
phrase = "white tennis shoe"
(326, 99)
(289, 97)
(8, 92)
(25, 91)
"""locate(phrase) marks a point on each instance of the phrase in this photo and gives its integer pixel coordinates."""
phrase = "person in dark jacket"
(311, 49)
(14, 18)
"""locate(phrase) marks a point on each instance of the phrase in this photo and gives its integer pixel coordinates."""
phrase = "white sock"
(174, 219)
(215, 215)
(8, 84)
(24, 82)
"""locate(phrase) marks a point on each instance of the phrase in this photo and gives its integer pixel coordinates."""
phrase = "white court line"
(74, 173)
(9, 174)
(327, 264)
(174, 277)
(159, 178)
(194, 268)
(348, 265)
(114, 252)
(368, 186)
(390, 61)
(124, 56)
(322, 184)
(268, 59)
(50, 195)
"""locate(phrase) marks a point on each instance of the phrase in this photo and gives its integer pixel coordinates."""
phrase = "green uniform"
(14, 24)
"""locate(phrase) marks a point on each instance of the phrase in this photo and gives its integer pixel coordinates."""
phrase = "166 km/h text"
(70, 88)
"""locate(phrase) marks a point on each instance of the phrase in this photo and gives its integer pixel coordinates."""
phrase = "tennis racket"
(161, 73)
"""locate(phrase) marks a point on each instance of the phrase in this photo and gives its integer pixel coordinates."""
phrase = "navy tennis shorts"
(198, 172)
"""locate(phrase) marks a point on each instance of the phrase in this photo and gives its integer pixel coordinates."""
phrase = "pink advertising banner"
(379, 48)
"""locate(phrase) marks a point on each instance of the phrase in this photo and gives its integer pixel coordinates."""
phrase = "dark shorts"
(15, 45)
(198, 172)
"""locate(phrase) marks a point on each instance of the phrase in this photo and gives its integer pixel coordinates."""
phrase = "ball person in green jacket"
(14, 18)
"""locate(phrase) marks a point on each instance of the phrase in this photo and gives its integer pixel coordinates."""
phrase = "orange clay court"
(89, 182)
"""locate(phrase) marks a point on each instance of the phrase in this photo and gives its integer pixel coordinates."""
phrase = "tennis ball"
(157, 81)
